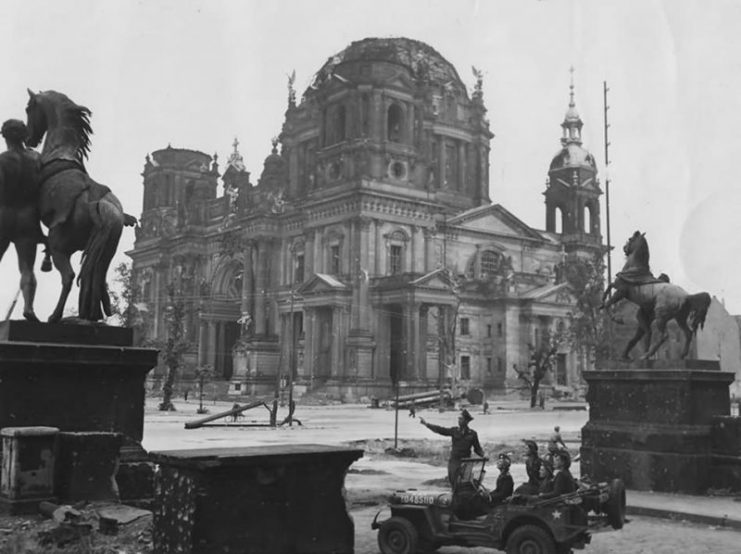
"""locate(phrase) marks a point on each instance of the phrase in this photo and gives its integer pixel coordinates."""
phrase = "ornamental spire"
(572, 123)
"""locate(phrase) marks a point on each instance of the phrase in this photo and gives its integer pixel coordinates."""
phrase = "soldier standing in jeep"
(464, 439)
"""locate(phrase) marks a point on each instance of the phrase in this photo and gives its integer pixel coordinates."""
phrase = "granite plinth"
(94, 384)
(66, 333)
(283, 498)
(652, 427)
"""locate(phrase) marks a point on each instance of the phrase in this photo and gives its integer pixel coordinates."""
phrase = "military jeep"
(425, 521)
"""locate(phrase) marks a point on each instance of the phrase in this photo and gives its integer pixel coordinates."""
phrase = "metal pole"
(396, 415)
(607, 188)
(442, 319)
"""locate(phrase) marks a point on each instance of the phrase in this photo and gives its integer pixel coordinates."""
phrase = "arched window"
(490, 262)
(394, 121)
(587, 219)
(558, 220)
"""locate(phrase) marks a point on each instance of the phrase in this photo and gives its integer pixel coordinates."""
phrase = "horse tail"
(698, 305)
(96, 259)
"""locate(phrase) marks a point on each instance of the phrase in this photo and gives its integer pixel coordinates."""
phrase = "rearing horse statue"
(80, 213)
(658, 300)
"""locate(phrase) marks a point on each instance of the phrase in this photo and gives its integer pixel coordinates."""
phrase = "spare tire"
(614, 508)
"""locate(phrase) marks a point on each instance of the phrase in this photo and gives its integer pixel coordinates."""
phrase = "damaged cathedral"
(369, 248)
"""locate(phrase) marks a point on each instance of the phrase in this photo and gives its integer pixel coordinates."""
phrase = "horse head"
(36, 120)
(66, 124)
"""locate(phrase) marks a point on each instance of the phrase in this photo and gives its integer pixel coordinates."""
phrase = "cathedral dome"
(422, 60)
(573, 155)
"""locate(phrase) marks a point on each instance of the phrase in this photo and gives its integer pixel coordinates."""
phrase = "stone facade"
(368, 236)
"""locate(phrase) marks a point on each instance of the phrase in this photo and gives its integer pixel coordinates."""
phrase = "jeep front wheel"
(397, 536)
(530, 539)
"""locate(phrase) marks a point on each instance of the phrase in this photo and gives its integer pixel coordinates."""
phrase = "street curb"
(684, 516)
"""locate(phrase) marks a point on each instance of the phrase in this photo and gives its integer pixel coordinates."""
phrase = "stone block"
(65, 333)
(27, 468)
(726, 435)
(648, 470)
(683, 397)
(86, 466)
(287, 498)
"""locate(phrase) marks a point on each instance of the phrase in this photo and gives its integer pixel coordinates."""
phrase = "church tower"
(572, 188)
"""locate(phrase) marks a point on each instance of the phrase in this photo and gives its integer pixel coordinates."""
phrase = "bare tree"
(175, 345)
(538, 366)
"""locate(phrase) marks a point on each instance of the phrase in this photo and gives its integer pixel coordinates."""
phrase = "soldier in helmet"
(563, 481)
(505, 483)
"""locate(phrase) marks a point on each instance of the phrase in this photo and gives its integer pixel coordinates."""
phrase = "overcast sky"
(197, 74)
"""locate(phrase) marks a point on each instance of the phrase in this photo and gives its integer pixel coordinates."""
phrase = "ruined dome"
(423, 61)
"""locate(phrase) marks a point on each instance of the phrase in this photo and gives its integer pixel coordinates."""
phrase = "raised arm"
(445, 431)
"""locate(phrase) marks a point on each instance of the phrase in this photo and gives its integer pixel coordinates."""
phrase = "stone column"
(337, 344)
(211, 351)
(461, 166)
(424, 312)
(202, 337)
(411, 320)
(247, 281)
(441, 163)
(260, 261)
(376, 113)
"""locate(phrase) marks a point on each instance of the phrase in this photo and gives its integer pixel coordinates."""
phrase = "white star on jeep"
(556, 514)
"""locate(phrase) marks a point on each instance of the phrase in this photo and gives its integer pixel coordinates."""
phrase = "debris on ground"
(94, 528)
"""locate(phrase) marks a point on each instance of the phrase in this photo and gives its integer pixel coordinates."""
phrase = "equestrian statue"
(79, 213)
(657, 299)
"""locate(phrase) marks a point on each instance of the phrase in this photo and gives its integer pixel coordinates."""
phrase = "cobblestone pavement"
(643, 535)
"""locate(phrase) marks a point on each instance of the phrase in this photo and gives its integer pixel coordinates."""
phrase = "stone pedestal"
(651, 425)
(286, 498)
(86, 467)
(77, 378)
(27, 469)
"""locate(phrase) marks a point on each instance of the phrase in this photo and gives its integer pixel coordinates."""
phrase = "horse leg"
(62, 263)
(663, 336)
(26, 252)
(643, 329)
(681, 320)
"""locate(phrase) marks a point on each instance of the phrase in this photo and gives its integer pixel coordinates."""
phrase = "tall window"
(334, 259)
(394, 122)
(465, 330)
(488, 366)
(340, 124)
(299, 274)
(488, 330)
(465, 367)
(395, 259)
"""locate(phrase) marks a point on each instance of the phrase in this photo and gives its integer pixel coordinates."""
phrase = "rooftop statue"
(80, 214)
(658, 300)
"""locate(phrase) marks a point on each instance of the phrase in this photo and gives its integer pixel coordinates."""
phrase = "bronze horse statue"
(658, 300)
(80, 213)
(19, 217)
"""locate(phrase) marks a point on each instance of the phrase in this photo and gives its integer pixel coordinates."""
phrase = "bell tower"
(572, 188)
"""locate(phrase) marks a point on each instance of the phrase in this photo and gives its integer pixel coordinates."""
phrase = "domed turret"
(572, 194)
(274, 170)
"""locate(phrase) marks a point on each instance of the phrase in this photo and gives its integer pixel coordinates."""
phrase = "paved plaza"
(375, 475)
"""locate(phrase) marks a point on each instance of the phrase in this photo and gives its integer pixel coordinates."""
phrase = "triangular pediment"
(321, 283)
(494, 219)
(552, 294)
(437, 279)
